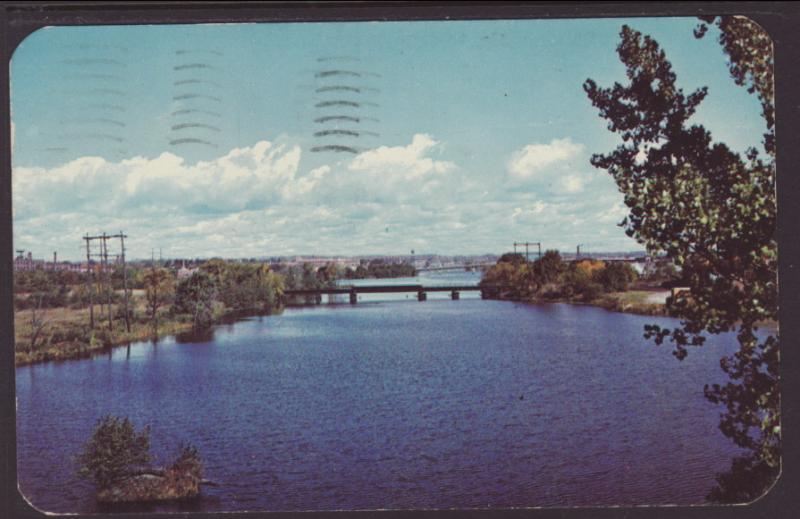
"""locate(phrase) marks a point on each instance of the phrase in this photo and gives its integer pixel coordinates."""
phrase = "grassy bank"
(66, 334)
(641, 302)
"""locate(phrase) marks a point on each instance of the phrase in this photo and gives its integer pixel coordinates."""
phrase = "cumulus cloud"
(245, 178)
(535, 158)
(411, 162)
(260, 201)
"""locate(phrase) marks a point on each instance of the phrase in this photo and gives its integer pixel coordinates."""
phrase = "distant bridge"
(420, 290)
(470, 266)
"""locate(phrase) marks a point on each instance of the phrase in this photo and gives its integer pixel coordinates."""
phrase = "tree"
(512, 257)
(615, 276)
(38, 322)
(713, 213)
(195, 296)
(114, 451)
(549, 267)
(159, 286)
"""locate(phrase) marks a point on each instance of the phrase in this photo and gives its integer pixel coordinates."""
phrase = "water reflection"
(440, 404)
(200, 335)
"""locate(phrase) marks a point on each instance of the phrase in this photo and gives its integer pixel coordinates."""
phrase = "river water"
(394, 403)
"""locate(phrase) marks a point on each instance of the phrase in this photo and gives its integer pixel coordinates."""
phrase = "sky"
(255, 140)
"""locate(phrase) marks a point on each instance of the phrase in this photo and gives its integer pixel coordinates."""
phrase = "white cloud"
(409, 161)
(534, 158)
(572, 184)
(259, 201)
(245, 178)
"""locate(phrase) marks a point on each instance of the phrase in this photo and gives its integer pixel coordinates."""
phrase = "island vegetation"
(117, 459)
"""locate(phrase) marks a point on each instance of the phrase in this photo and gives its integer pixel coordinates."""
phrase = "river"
(394, 403)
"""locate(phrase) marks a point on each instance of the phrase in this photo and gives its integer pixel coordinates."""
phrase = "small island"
(117, 459)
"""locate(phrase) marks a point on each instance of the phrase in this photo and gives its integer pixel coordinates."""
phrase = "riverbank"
(68, 337)
(640, 302)
(66, 334)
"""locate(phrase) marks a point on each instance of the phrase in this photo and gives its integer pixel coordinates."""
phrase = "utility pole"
(89, 283)
(526, 244)
(108, 281)
(105, 276)
(124, 280)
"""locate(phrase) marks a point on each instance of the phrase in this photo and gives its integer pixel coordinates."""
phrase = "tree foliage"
(195, 296)
(114, 451)
(615, 276)
(159, 285)
(713, 213)
(549, 267)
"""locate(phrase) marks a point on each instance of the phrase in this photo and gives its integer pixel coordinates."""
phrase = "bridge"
(470, 266)
(353, 291)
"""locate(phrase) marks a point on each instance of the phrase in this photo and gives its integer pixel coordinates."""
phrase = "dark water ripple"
(396, 405)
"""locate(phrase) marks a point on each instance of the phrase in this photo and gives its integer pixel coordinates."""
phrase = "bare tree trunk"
(37, 323)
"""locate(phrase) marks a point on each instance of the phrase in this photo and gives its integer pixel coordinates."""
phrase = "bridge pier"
(353, 297)
(455, 295)
(318, 299)
(422, 296)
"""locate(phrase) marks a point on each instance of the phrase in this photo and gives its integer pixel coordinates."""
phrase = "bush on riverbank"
(551, 278)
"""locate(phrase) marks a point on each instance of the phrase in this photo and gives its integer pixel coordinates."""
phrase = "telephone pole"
(105, 277)
(526, 244)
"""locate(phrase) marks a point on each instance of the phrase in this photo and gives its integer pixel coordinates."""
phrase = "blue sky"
(464, 135)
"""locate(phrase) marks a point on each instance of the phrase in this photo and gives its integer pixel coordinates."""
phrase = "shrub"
(615, 277)
(113, 451)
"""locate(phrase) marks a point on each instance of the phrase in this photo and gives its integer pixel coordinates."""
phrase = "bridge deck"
(380, 289)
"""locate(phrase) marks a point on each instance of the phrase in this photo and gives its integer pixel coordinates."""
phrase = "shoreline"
(142, 332)
(628, 302)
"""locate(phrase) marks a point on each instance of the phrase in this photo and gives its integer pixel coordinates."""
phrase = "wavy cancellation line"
(95, 92)
(349, 133)
(105, 106)
(184, 126)
(190, 66)
(93, 120)
(105, 136)
(192, 140)
(92, 61)
(344, 118)
(196, 81)
(346, 88)
(336, 148)
(183, 97)
(94, 75)
(187, 111)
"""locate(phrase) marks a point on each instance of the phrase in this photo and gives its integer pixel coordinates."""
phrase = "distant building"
(184, 272)
(24, 262)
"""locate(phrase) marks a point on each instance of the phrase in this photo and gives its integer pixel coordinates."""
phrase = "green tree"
(114, 451)
(712, 212)
(195, 296)
(615, 276)
(549, 267)
(159, 286)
